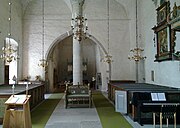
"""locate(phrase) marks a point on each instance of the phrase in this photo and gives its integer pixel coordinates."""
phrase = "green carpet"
(41, 114)
(109, 118)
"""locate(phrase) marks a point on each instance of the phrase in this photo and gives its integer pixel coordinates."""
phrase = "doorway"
(6, 75)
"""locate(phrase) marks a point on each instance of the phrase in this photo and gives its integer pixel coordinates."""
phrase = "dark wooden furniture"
(167, 111)
(35, 90)
(143, 107)
(112, 87)
(78, 96)
(138, 94)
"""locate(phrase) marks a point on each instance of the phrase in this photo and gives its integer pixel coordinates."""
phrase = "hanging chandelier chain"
(10, 18)
(43, 63)
(108, 24)
(135, 54)
(9, 21)
(43, 30)
(8, 51)
(137, 24)
(108, 57)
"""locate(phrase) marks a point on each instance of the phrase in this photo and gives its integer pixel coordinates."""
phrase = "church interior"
(80, 57)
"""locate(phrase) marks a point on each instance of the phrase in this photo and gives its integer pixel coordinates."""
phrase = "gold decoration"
(8, 51)
(43, 63)
(8, 54)
(108, 58)
(79, 27)
(136, 54)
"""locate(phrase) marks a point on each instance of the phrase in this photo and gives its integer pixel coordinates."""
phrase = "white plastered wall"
(57, 22)
(16, 30)
(166, 73)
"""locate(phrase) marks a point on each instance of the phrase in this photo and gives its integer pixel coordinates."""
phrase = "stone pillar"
(77, 63)
(77, 51)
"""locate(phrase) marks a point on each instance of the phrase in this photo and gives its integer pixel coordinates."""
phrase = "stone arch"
(67, 34)
(49, 52)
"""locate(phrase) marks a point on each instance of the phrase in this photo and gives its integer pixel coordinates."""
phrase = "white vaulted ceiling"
(26, 2)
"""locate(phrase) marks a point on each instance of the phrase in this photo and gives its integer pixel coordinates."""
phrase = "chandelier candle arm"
(43, 63)
(27, 89)
(107, 58)
(135, 54)
(13, 87)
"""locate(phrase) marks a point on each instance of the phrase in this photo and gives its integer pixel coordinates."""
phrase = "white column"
(77, 52)
(77, 63)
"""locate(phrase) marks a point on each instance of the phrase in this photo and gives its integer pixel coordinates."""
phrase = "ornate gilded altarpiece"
(165, 36)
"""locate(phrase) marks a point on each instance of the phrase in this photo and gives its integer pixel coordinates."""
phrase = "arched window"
(13, 67)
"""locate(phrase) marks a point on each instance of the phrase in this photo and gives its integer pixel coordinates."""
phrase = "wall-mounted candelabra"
(79, 26)
(135, 54)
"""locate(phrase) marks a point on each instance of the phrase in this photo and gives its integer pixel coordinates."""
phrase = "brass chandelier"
(43, 62)
(108, 58)
(8, 51)
(79, 26)
(135, 54)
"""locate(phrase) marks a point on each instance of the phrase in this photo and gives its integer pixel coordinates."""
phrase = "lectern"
(17, 112)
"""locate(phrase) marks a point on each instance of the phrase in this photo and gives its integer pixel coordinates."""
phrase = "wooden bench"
(78, 96)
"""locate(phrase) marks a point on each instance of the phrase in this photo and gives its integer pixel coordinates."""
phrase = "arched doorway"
(59, 57)
(11, 68)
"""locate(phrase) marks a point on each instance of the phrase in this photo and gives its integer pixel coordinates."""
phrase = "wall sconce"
(135, 54)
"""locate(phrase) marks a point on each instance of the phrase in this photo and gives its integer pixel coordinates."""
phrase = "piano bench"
(166, 112)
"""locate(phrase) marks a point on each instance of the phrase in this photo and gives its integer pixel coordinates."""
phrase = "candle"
(26, 89)
(72, 16)
(13, 89)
